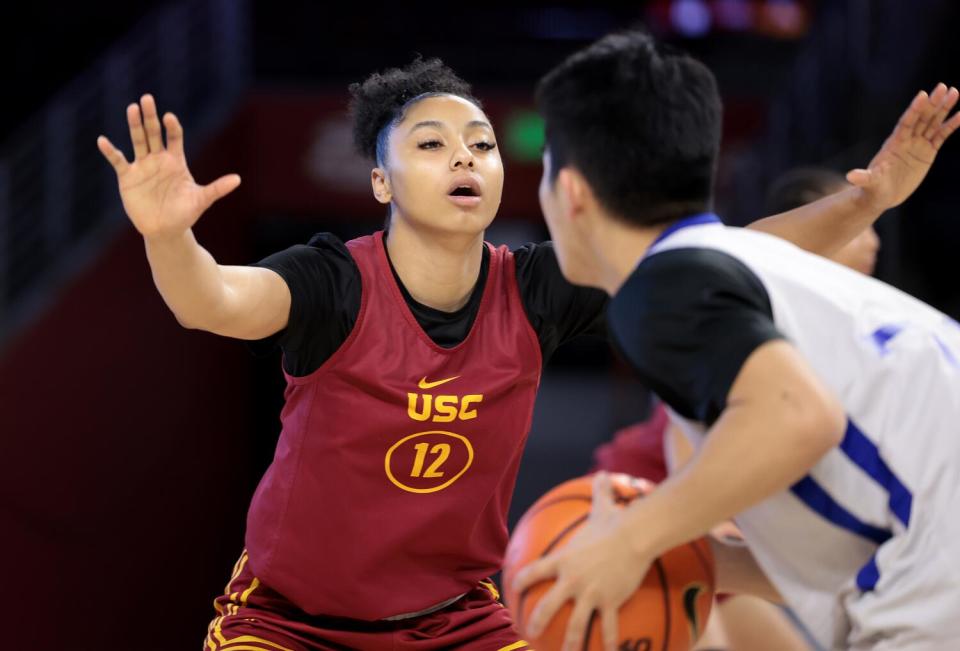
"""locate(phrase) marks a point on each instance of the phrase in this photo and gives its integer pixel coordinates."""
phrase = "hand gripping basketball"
(567, 546)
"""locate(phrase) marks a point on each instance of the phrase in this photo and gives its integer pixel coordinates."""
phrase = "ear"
(574, 191)
(381, 185)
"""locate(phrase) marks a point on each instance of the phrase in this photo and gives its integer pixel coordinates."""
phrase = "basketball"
(669, 609)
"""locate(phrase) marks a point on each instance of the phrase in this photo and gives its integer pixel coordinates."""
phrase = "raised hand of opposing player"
(158, 192)
(907, 154)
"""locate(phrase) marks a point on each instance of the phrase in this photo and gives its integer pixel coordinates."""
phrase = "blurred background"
(130, 447)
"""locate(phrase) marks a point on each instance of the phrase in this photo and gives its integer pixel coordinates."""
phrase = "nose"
(462, 158)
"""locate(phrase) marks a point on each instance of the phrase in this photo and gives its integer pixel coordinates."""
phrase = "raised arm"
(163, 202)
(827, 225)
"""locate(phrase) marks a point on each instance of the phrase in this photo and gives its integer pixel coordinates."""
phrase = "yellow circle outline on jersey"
(410, 489)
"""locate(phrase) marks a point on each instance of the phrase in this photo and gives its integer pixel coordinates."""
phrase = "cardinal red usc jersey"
(389, 489)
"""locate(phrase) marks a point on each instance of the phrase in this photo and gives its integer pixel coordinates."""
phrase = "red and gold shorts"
(252, 617)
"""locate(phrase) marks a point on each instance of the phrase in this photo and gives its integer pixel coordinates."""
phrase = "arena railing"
(59, 204)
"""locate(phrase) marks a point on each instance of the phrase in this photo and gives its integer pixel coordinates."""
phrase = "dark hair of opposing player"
(800, 186)
(641, 122)
(379, 102)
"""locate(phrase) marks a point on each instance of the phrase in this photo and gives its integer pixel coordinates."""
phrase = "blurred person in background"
(802, 185)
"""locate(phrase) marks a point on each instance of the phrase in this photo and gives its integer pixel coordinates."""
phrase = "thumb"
(220, 188)
(535, 572)
(860, 177)
(604, 501)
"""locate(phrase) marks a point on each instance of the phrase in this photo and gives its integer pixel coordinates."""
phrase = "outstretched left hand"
(598, 570)
(907, 154)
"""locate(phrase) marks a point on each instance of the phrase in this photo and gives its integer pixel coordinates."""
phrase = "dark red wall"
(126, 447)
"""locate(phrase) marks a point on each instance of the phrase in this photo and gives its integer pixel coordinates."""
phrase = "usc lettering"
(443, 408)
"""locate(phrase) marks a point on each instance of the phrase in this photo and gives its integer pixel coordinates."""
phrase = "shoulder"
(539, 276)
(558, 310)
(324, 251)
(320, 274)
(687, 319)
(535, 253)
(692, 298)
(696, 262)
(325, 296)
(537, 266)
(689, 277)
(327, 244)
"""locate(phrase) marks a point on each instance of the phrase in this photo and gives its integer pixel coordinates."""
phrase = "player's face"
(861, 253)
(443, 166)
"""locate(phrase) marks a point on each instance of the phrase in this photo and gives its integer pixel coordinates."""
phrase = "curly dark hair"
(382, 98)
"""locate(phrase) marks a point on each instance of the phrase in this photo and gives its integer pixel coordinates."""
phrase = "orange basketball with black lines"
(667, 612)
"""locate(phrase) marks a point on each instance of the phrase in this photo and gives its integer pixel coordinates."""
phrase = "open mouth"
(464, 191)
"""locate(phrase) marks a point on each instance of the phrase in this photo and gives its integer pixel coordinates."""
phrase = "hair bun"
(379, 99)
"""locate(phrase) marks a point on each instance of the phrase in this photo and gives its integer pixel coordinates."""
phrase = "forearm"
(826, 225)
(737, 569)
(739, 573)
(188, 279)
(750, 454)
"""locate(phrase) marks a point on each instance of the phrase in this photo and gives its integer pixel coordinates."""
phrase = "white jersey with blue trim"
(863, 543)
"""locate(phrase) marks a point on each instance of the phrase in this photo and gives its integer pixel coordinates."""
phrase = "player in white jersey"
(825, 405)
(874, 508)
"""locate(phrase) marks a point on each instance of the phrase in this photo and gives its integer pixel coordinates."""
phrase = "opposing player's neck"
(438, 270)
(619, 248)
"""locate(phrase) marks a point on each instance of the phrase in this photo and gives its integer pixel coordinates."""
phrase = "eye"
(483, 145)
(430, 144)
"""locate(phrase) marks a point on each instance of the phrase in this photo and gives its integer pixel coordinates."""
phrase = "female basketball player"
(412, 359)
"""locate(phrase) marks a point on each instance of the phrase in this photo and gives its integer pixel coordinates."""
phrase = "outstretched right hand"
(158, 192)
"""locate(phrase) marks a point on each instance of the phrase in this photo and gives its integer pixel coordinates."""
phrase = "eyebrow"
(439, 125)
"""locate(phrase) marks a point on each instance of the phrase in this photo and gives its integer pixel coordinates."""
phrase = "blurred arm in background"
(895, 172)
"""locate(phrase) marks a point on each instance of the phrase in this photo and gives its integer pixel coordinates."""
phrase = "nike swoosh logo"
(690, 595)
(423, 384)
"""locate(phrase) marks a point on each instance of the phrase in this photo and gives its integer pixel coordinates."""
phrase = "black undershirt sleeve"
(325, 289)
(558, 310)
(687, 320)
(325, 292)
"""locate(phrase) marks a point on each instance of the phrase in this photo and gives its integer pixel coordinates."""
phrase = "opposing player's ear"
(381, 185)
(573, 190)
